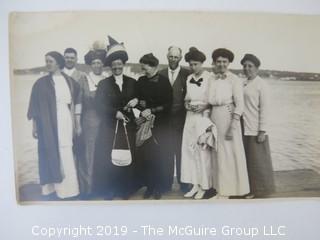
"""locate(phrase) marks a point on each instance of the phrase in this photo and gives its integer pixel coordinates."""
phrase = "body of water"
(294, 126)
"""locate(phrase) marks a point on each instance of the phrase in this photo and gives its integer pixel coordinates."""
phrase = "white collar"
(96, 77)
(203, 74)
(119, 80)
(177, 70)
(69, 72)
(94, 80)
(247, 81)
(118, 77)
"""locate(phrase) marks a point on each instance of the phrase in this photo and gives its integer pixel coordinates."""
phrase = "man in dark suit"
(177, 77)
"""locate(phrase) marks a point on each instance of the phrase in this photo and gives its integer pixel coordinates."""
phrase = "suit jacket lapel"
(178, 77)
(124, 86)
(115, 86)
(166, 74)
(69, 82)
(75, 74)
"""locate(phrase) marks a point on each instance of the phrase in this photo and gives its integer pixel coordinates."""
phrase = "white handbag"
(121, 157)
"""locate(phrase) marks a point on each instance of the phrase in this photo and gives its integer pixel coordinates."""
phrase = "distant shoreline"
(135, 69)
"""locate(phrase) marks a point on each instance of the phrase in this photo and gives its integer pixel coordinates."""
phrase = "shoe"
(249, 196)
(50, 197)
(220, 197)
(200, 194)
(210, 193)
(192, 192)
(147, 194)
(157, 195)
(69, 199)
(224, 197)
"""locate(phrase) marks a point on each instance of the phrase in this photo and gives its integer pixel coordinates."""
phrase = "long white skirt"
(231, 175)
(69, 187)
(196, 163)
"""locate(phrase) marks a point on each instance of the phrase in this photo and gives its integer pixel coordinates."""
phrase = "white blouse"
(227, 91)
(119, 80)
(64, 118)
(94, 79)
(198, 93)
(69, 72)
(256, 106)
(62, 90)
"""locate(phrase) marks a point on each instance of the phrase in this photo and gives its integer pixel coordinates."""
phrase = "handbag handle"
(116, 133)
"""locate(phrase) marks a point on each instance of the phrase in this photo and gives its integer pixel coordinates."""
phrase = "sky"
(282, 42)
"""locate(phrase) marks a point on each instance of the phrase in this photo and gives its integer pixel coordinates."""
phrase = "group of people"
(209, 129)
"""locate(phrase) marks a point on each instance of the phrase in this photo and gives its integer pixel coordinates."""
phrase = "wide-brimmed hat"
(115, 51)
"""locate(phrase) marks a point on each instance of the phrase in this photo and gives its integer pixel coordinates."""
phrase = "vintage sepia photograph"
(189, 106)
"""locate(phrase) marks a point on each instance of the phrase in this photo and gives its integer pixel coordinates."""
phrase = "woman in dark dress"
(155, 99)
(255, 129)
(115, 98)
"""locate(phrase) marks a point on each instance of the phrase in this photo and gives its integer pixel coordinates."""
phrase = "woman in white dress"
(69, 186)
(196, 162)
(226, 99)
(55, 110)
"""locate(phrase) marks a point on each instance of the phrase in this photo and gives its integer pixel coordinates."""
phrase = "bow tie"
(154, 78)
(221, 76)
(198, 83)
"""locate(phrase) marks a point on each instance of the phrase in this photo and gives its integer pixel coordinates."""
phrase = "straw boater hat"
(115, 51)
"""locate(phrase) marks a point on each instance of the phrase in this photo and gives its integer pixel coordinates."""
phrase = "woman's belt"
(222, 104)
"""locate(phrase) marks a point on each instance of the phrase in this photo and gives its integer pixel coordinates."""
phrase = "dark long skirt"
(108, 178)
(259, 165)
(151, 169)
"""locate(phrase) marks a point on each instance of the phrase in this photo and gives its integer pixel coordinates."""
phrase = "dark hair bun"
(149, 59)
(252, 58)
(195, 55)
(222, 52)
(193, 49)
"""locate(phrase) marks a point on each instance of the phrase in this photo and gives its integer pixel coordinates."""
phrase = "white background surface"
(301, 217)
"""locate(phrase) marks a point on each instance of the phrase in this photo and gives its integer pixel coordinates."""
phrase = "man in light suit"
(177, 77)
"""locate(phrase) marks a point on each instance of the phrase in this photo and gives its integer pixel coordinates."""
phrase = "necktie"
(172, 77)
